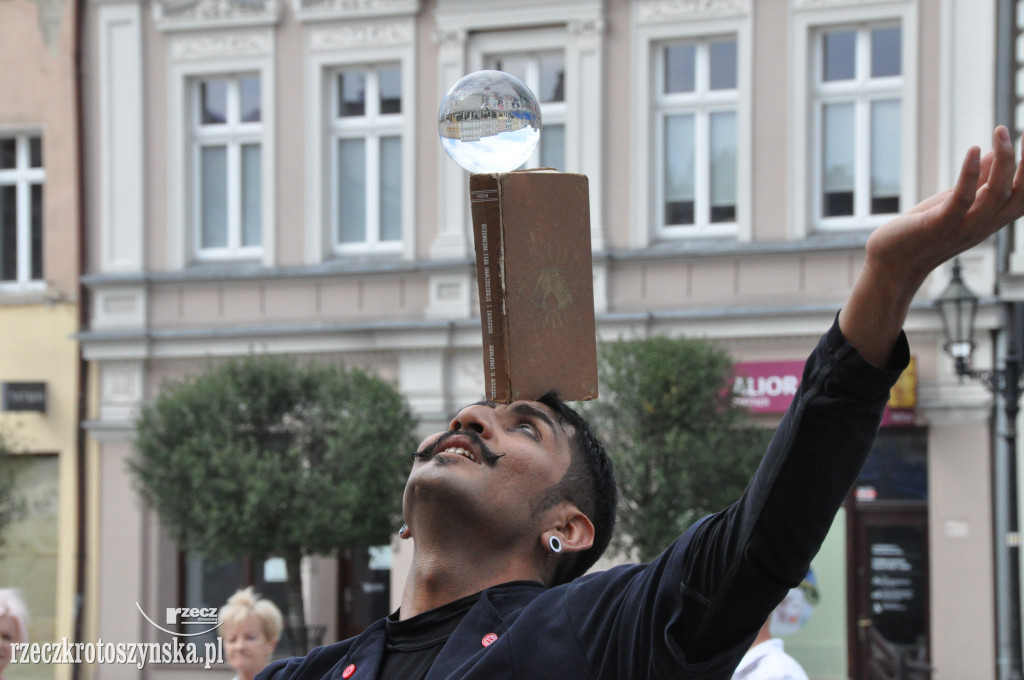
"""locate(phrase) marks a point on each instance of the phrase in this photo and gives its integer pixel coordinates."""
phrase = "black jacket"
(693, 611)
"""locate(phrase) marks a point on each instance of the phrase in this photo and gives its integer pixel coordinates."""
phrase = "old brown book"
(532, 236)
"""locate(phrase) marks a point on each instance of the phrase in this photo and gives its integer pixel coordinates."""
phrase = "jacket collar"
(486, 621)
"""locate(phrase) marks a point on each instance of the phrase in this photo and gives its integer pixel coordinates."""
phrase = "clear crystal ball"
(489, 122)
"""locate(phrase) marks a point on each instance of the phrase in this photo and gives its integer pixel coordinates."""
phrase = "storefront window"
(897, 469)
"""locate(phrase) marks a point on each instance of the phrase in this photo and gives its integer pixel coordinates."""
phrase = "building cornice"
(828, 4)
(659, 11)
(190, 15)
(347, 10)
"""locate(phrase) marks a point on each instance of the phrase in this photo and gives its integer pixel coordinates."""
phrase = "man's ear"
(573, 529)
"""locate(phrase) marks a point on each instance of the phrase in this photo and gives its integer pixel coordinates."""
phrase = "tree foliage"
(13, 505)
(681, 447)
(262, 456)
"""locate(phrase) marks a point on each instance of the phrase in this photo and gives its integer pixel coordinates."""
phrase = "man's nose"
(477, 417)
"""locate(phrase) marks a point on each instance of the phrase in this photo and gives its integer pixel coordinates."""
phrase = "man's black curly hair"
(589, 484)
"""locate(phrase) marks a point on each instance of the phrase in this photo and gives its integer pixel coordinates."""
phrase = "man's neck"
(442, 576)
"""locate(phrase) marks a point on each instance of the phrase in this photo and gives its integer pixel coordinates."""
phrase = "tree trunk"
(296, 608)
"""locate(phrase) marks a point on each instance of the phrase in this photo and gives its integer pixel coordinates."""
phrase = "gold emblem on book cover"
(553, 294)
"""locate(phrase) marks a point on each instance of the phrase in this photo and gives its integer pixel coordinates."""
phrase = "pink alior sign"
(769, 387)
(766, 386)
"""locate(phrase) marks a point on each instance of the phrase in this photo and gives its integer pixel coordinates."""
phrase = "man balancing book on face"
(515, 501)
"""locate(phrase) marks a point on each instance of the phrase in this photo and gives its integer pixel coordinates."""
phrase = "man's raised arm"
(741, 561)
(989, 194)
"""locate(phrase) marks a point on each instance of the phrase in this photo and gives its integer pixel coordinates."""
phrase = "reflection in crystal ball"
(489, 122)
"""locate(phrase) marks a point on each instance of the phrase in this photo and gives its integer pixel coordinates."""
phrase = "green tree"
(262, 456)
(681, 447)
(12, 504)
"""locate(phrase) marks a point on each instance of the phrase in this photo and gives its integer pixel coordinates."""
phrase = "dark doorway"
(364, 588)
(889, 591)
(887, 545)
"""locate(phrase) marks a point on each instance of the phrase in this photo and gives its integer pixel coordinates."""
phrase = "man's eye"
(529, 428)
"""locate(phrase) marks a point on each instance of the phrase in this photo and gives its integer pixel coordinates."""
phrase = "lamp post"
(958, 306)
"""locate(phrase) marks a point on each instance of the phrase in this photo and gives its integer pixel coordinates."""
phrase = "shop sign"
(23, 396)
(766, 386)
(769, 387)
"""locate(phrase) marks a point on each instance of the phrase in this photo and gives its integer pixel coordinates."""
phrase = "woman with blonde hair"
(250, 626)
(13, 624)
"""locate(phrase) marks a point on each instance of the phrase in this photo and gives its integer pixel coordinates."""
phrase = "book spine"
(488, 238)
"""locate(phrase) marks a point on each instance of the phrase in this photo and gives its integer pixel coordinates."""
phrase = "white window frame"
(701, 103)
(233, 135)
(647, 192)
(198, 60)
(524, 26)
(551, 113)
(372, 128)
(530, 43)
(331, 48)
(861, 91)
(809, 27)
(22, 177)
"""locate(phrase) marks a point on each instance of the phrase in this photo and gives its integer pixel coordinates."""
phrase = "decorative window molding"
(591, 28)
(190, 15)
(468, 15)
(331, 10)
(454, 38)
(657, 11)
(809, 98)
(653, 106)
(373, 49)
(325, 39)
(222, 46)
(217, 55)
(466, 36)
(542, 68)
(823, 4)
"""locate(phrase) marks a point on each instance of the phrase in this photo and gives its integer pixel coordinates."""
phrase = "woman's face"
(247, 648)
(8, 634)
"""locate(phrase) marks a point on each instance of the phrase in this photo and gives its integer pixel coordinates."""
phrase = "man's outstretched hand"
(988, 195)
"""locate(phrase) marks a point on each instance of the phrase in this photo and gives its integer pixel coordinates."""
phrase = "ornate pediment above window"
(360, 36)
(656, 11)
(586, 29)
(817, 4)
(221, 45)
(455, 37)
(467, 14)
(329, 10)
(190, 15)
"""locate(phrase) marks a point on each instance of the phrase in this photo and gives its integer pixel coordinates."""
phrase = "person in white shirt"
(767, 660)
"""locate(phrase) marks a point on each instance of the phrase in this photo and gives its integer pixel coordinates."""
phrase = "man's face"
(491, 467)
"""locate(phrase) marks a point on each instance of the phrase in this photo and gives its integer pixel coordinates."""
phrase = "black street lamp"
(958, 306)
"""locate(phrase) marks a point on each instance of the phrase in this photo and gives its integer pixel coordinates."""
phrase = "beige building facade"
(265, 175)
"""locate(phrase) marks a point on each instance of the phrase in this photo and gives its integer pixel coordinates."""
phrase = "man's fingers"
(966, 189)
(1001, 200)
(986, 167)
(1016, 203)
(1000, 176)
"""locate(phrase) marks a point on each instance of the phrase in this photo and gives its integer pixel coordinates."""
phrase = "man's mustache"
(486, 454)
